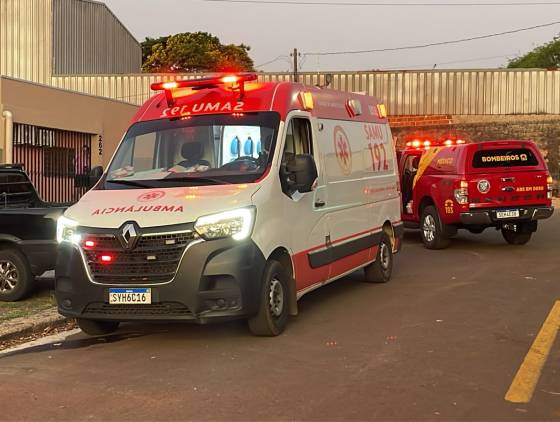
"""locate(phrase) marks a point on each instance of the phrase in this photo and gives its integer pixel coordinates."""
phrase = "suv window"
(504, 158)
(16, 190)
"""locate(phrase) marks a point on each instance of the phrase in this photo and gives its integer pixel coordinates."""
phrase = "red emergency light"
(427, 144)
(236, 83)
(90, 244)
(106, 259)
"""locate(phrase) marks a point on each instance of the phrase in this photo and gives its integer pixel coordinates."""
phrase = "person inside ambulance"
(410, 170)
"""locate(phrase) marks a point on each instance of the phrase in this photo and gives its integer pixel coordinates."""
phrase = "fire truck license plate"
(507, 214)
(130, 296)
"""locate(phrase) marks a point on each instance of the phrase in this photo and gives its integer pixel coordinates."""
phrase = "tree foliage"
(546, 56)
(194, 52)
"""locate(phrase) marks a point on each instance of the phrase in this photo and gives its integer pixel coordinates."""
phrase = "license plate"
(130, 296)
(507, 214)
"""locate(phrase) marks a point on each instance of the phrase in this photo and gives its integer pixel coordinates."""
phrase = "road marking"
(527, 377)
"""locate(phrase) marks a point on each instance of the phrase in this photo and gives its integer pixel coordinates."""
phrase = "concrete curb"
(25, 326)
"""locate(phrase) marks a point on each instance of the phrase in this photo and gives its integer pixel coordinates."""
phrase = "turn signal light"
(382, 111)
(306, 100)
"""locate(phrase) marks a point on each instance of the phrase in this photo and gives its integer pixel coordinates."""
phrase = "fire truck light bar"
(427, 143)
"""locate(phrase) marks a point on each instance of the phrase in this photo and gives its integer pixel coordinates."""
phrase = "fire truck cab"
(452, 184)
(231, 198)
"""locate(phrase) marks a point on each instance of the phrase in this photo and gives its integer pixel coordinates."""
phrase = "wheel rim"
(429, 228)
(384, 256)
(276, 297)
(9, 276)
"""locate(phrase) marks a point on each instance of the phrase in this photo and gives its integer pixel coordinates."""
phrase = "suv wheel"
(97, 328)
(433, 231)
(380, 271)
(272, 316)
(16, 278)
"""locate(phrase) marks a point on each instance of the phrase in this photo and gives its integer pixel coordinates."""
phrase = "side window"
(15, 191)
(298, 141)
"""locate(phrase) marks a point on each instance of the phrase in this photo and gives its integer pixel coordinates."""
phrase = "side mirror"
(94, 176)
(303, 172)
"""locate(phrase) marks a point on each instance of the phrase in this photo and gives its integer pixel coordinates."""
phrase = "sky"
(273, 30)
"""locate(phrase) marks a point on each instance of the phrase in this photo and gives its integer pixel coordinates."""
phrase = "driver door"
(305, 212)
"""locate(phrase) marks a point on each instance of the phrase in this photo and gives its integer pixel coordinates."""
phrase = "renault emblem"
(129, 235)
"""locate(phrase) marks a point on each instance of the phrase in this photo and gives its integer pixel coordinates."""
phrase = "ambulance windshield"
(201, 150)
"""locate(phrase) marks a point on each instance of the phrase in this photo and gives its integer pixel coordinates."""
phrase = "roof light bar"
(236, 83)
(427, 144)
(203, 82)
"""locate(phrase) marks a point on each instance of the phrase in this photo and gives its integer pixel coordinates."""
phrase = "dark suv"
(27, 233)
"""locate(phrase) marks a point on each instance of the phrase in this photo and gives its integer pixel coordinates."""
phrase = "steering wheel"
(245, 162)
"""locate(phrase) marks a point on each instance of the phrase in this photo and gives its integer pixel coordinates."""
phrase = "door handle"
(319, 203)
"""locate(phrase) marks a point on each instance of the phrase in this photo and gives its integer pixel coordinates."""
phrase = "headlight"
(66, 230)
(237, 224)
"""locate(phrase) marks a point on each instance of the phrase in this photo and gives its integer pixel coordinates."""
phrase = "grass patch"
(41, 299)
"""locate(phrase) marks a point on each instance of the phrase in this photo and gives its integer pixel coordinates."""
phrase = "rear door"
(507, 174)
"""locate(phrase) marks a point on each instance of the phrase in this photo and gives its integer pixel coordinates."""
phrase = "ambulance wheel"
(380, 271)
(97, 328)
(272, 316)
(433, 231)
(516, 237)
(16, 278)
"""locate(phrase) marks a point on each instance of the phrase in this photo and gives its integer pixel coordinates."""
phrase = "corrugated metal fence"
(457, 92)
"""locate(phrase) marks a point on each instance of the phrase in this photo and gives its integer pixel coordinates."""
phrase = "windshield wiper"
(195, 179)
(131, 183)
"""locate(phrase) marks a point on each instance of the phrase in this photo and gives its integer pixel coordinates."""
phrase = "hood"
(157, 207)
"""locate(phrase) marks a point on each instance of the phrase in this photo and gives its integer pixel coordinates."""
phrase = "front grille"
(154, 259)
(157, 309)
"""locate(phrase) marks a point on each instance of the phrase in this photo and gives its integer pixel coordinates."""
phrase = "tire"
(272, 316)
(97, 328)
(16, 278)
(381, 269)
(516, 237)
(432, 230)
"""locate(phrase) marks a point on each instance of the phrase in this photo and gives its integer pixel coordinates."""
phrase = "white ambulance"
(230, 198)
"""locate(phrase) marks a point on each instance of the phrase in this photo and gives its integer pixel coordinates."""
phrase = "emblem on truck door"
(129, 236)
(483, 186)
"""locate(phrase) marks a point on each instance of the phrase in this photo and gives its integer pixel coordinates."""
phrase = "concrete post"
(9, 137)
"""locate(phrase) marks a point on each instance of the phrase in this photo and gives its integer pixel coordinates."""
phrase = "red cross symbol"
(342, 150)
(151, 196)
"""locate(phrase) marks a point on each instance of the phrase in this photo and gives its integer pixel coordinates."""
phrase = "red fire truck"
(453, 184)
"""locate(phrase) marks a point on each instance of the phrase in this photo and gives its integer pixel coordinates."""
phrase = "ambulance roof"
(283, 97)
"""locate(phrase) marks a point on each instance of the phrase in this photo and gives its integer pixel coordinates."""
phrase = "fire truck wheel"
(97, 328)
(16, 278)
(516, 237)
(433, 231)
(380, 271)
(272, 316)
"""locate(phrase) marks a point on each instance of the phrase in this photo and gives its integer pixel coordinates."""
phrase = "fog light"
(67, 303)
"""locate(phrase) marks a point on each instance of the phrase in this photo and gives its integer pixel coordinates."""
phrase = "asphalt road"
(442, 341)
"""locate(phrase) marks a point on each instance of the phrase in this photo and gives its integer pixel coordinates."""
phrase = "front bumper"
(215, 280)
(488, 216)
